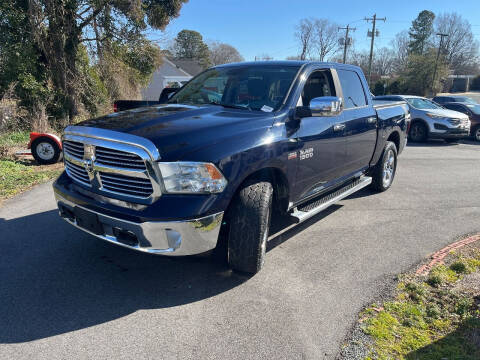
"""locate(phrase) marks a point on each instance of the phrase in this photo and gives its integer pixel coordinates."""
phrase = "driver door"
(320, 139)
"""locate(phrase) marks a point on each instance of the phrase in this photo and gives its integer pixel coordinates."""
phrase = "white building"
(172, 73)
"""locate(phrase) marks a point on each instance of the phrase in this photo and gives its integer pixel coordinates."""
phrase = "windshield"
(420, 103)
(464, 99)
(475, 108)
(244, 87)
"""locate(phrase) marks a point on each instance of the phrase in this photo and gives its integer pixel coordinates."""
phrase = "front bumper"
(453, 133)
(174, 238)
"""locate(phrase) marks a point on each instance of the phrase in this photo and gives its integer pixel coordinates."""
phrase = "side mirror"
(326, 106)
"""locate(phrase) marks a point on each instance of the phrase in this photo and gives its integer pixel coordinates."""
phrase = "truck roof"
(298, 63)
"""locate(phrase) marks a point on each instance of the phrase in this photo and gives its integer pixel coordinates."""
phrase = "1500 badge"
(306, 154)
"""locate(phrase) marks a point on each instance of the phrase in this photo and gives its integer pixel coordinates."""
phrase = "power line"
(347, 41)
(373, 34)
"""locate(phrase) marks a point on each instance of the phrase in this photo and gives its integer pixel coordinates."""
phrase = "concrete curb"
(437, 258)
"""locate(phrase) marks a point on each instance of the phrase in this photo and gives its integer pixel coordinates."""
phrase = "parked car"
(203, 172)
(430, 120)
(443, 99)
(472, 111)
(122, 105)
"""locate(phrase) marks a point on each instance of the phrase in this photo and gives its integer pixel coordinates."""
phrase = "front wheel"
(476, 133)
(249, 217)
(384, 171)
(418, 132)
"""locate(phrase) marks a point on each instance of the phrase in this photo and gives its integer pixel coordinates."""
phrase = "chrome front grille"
(77, 173)
(129, 185)
(73, 148)
(116, 166)
(456, 122)
(111, 157)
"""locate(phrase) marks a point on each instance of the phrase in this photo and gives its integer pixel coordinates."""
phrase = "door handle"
(338, 127)
(372, 120)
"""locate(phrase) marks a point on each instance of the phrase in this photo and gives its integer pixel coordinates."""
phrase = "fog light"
(125, 237)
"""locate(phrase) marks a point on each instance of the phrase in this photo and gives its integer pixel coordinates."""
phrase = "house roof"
(191, 67)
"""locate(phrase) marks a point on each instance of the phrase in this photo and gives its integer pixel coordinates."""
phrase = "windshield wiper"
(232, 106)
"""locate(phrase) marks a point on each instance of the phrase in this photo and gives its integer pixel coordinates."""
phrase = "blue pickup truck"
(238, 143)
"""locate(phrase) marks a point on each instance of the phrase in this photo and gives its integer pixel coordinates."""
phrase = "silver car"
(430, 120)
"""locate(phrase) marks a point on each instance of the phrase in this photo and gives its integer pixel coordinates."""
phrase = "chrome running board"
(313, 207)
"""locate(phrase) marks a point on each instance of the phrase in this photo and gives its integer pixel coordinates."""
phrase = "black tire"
(476, 133)
(249, 215)
(418, 132)
(451, 141)
(378, 176)
(45, 158)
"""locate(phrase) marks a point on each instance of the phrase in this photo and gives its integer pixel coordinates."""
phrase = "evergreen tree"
(421, 32)
(189, 45)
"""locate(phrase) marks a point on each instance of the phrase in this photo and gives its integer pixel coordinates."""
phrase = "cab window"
(318, 84)
(353, 93)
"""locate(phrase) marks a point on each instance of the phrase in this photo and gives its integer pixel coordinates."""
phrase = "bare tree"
(459, 47)
(384, 61)
(304, 36)
(264, 57)
(325, 38)
(400, 50)
(221, 53)
(359, 58)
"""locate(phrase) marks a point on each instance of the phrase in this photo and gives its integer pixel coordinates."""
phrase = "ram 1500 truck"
(235, 145)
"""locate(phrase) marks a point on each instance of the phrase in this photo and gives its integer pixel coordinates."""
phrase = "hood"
(179, 129)
(446, 113)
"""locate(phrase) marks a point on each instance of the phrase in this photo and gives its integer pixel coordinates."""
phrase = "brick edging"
(437, 258)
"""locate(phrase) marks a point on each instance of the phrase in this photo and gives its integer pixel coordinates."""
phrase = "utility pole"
(373, 34)
(346, 42)
(436, 60)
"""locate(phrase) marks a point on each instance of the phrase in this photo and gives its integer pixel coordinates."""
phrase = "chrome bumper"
(174, 238)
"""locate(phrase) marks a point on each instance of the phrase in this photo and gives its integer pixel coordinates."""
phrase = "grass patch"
(15, 138)
(16, 177)
(430, 317)
(19, 175)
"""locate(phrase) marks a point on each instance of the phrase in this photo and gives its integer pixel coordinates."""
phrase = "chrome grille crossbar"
(121, 169)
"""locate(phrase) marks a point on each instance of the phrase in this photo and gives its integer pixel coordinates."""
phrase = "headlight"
(191, 177)
(435, 116)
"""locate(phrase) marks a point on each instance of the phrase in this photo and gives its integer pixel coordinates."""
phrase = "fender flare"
(35, 135)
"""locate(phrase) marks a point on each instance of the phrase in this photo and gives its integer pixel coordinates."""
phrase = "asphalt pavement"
(65, 294)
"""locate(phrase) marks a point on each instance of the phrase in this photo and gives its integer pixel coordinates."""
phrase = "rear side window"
(457, 108)
(353, 93)
(441, 99)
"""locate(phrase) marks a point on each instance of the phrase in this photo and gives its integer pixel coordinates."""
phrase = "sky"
(257, 27)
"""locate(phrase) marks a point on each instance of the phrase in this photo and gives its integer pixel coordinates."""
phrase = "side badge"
(306, 154)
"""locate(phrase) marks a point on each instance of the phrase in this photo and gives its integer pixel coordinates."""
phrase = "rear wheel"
(385, 169)
(249, 216)
(45, 151)
(476, 133)
(418, 132)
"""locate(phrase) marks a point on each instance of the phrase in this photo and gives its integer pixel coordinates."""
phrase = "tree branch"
(92, 15)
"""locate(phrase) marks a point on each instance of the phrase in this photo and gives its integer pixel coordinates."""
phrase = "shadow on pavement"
(56, 279)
